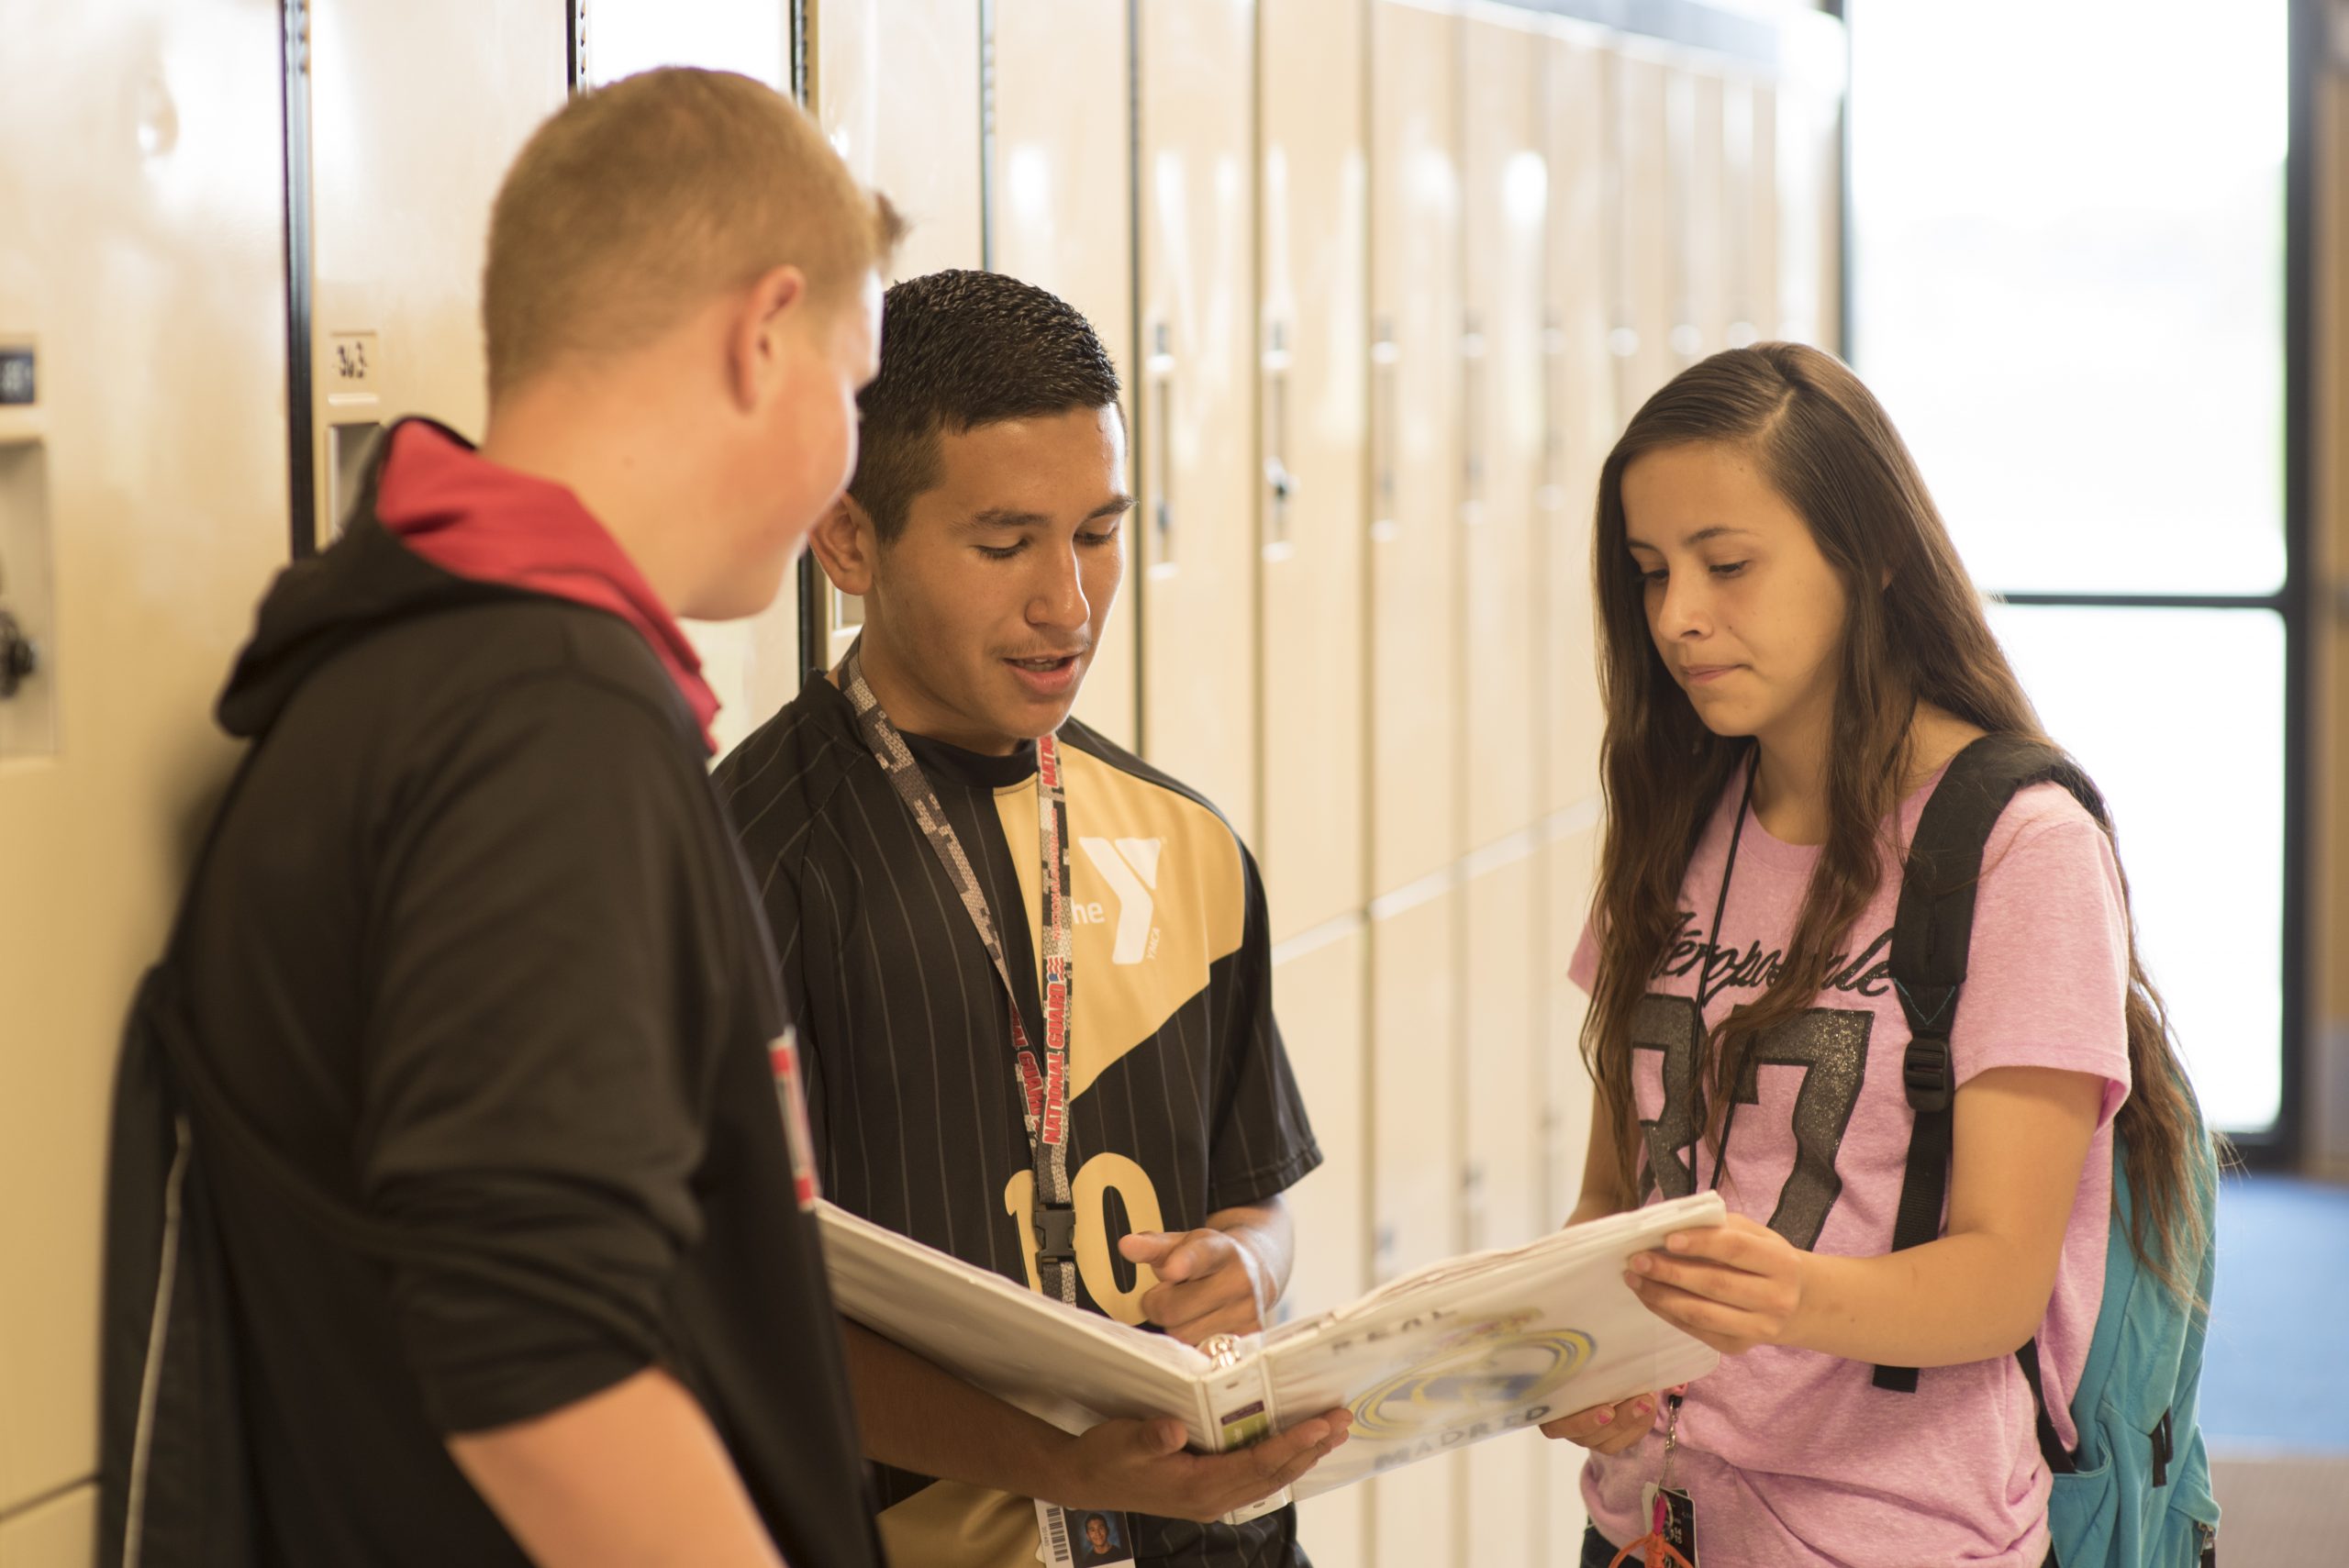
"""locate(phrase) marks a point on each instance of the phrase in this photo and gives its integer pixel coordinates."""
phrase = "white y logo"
(1131, 867)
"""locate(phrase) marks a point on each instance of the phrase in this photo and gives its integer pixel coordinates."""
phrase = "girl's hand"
(1734, 1286)
(1606, 1429)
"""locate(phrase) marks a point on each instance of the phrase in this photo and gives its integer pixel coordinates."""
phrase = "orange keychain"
(1672, 1518)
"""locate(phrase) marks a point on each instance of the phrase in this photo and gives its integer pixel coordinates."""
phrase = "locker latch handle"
(19, 656)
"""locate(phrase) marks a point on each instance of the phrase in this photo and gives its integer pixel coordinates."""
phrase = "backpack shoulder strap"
(1932, 933)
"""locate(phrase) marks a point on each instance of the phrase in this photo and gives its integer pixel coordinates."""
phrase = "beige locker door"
(1763, 259)
(1693, 112)
(1504, 1173)
(752, 664)
(142, 511)
(1643, 282)
(1061, 190)
(1581, 412)
(1313, 348)
(894, 84)
(1415, 1169)
(1195, 544)
(1415, 659)
(400, 191)
(1506, 180)
(1570, 872)
(1742, 188)
(1318, 995)
(1567, 872)
(1810, 224)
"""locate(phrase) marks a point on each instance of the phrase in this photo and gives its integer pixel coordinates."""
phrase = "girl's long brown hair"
(1826, 447)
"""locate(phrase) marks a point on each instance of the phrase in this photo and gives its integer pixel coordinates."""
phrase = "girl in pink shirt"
(1791, 654)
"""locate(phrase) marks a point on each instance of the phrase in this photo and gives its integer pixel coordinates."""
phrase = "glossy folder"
(1429, 1364)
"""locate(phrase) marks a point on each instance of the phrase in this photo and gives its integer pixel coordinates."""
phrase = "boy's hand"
(1141, 1466)
(1210, 1282)
(1606, 1429)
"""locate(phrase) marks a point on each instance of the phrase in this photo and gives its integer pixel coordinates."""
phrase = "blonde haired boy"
(473, 953)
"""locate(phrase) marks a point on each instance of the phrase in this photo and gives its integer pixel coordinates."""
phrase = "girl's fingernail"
(1640, 1261)
(1605, 1417)
(1645, 1409)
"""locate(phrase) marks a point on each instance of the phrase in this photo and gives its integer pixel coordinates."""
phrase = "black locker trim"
(301, 425)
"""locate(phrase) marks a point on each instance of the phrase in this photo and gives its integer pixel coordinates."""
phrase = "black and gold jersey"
(1181, 1098)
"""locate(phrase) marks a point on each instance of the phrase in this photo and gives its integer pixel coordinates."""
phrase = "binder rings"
(1429, 1364)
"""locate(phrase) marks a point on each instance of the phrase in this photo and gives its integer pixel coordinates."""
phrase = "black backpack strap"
(1932, 933)
(2051, 1447)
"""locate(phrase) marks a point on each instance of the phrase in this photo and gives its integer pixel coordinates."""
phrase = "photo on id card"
(1082, 1538)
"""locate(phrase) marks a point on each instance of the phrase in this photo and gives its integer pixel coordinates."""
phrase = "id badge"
(1081, 1538)
(1671, 1515)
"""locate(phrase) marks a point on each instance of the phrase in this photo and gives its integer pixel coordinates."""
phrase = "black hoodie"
(475, 953)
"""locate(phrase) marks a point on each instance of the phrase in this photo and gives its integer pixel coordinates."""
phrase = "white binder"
(1452, 1355)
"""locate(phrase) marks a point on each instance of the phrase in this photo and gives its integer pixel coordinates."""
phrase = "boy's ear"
(755, 337)
(845, 544)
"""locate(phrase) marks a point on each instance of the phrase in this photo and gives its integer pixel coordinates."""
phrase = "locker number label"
(351, 359)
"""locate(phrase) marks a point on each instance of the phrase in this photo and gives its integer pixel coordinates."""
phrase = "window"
(2067, 286)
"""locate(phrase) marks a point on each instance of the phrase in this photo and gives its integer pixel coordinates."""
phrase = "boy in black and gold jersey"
(1030, 973)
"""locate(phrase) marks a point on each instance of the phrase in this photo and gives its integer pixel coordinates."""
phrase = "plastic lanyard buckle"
(1055, 1233)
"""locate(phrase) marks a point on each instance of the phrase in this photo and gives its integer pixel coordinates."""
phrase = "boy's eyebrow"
(1013, 517)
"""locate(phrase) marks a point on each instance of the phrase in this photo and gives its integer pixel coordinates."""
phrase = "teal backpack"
(2136, 1493)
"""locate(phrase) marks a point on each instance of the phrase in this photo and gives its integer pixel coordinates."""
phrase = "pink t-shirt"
(1791, 1457)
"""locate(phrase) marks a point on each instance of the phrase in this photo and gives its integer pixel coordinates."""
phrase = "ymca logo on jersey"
(1130, 868)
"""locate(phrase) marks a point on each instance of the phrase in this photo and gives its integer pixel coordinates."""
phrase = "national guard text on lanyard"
(1044, 1086)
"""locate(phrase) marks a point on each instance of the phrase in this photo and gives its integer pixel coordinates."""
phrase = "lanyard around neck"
(1044, 1086)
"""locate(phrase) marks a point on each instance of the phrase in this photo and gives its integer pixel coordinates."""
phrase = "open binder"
(1429, 1364)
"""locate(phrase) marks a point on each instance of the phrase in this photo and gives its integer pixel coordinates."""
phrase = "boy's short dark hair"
(960, 349)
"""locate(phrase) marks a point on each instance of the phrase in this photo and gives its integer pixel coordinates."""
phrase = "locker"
(1504, 227)
(1809, 155)
(1560, 1466)
(1313, 349)
(1700, 325)
(1414, 1150)
(901, 104)
(1416, 1515)
(1415, 1136)
(1764, 257)
(1059, 108)
(1569, 866)
(60, 1533)
(1745, 186)
(401, 192)
(142, 509)
(1415, 660)
(1503, 1173)
(1573, 869)
(754, 663)
(1195, 548)
(752, 36)
(1580, 410)
(1642, 221)
(1318, 994)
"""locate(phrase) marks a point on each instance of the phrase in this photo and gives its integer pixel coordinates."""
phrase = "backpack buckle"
(1924, 1070)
